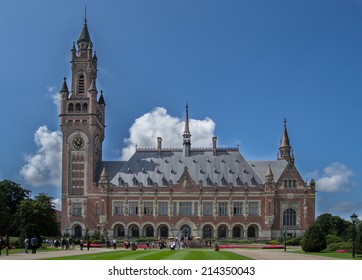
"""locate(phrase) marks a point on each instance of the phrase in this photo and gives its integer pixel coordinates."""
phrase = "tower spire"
(187, 134)
(285, 148)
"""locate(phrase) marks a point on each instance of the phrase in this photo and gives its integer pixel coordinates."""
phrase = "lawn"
(189, 254)
(346, 256)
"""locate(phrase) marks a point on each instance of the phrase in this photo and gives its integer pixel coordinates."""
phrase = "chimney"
(159, 145)
(214, 139)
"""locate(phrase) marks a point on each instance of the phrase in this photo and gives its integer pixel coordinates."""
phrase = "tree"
(11, 195)
(314, 239)
(37, 217)
(334, 225)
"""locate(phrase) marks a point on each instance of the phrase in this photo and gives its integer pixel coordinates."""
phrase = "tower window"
(71, 107)
(81, 85)
(85, 107)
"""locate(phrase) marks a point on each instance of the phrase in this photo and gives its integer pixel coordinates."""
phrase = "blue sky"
(243, 66)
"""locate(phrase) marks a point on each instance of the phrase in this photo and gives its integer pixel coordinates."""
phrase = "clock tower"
(82, 121)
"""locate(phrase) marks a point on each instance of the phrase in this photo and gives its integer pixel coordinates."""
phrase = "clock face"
(78, 142)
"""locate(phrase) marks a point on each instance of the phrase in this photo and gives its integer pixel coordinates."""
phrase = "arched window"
(207, 232)
(85, 107)
(164, 231)
(135, 231)
(120, 231)
(221, 232)
(81, 85)
(149, 231)
(71, 107)
(77, 107)
(237, 232)
(289, 217)
(77, 231)
(252, 232)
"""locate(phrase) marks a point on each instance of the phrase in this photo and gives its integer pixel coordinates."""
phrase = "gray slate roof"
(227, 167)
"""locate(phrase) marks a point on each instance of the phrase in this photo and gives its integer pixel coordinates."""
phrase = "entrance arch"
(77, 231)
(185, 231)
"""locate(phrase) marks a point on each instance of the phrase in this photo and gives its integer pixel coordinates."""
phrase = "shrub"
(331, 238)
(295, 241)
(314, 239)
(272, 242)
(339, 246)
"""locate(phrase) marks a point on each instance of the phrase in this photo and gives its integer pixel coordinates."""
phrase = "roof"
(146, 167)
(261, 168)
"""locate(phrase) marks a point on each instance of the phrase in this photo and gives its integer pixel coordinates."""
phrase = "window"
(238, 208)
(221, 232)
(185, 208)
(149, 231)
(148, 208)
(133, 208)
(289, 217)
(207, 208)
(223, 209)
(174, 209)
(120, 231)
(77, 209)
(118, 208)
(207, 232)
(163, 208)
(81, 85)
(253, 208)
(196, 208)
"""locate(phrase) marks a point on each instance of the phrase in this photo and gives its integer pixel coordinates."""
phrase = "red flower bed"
(273, 247)
(341, 251)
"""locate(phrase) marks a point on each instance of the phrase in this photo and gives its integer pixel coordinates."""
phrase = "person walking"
(88, 244)
(114, 242)
(81, 243)
(26, 244)
(34, 245)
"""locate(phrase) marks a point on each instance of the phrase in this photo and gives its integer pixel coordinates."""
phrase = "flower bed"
(341, 251)
(273, 247)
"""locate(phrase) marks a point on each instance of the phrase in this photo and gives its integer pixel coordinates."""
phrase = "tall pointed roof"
(285, 139)
(101, 99)
(64, 86)
(187, 128)
(84, 34)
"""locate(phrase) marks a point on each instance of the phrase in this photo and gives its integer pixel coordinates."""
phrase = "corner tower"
(82, 121)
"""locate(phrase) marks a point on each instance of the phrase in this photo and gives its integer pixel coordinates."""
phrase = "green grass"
(156, 254)
(345, 256)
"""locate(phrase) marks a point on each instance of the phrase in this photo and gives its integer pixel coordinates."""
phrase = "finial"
(85, 14)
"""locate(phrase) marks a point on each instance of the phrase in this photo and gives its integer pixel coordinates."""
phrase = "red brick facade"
(208, 193)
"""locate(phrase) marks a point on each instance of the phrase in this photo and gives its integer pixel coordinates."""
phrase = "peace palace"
(212, 193)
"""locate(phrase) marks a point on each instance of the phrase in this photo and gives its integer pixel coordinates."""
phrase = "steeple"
(187, 135)
(84, 41)
(285, 148)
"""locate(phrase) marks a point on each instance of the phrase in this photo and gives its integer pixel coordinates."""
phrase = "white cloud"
(54, 94)
(58, 203)
(158, 123)
(335, 178)
(44, 166)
